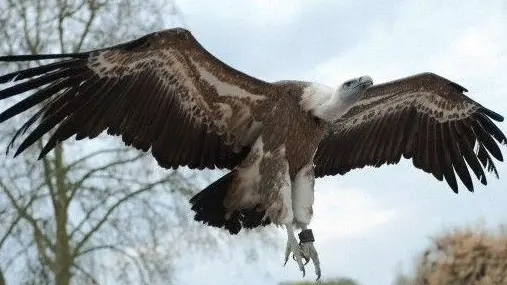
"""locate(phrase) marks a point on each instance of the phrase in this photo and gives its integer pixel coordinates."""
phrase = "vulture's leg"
(302, 206)
(293, 247)
(308, 249)
(276, 192)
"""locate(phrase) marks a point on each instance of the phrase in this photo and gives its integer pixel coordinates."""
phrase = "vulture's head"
(351, 90)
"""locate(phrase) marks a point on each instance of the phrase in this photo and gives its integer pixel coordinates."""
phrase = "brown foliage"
(469, 256)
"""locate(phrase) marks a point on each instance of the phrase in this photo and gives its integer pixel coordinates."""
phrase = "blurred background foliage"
(462, 256)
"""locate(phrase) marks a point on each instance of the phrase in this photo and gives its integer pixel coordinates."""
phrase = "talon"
(308, 250)
(303, 256)
(306, 260)
(306, 254)
(294, 248)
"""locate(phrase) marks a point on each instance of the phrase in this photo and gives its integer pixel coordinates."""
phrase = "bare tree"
(96, 211)
(2, 279)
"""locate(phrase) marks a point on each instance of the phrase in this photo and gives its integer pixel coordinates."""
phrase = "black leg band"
(306, 236)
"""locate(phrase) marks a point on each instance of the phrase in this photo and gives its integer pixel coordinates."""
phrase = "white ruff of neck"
(324, 102)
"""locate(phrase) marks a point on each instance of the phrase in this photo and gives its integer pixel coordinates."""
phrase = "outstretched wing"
(163, 91)
(424, 117)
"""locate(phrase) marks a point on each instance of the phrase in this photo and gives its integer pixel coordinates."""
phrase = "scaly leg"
(308, 249)
(293, 247)
(275, 180)
(302, 204)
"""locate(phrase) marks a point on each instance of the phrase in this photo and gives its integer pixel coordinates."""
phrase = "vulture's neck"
(324, 102)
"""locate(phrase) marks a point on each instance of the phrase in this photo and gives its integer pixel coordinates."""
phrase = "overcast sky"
(367, 222)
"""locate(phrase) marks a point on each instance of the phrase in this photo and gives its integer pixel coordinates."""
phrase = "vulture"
(166, 94)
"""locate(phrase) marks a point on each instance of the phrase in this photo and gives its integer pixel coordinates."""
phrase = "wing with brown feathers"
(163, 91)
(424, 117)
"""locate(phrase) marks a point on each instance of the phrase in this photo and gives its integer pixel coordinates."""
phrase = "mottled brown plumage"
(150, 93)
(423, 117)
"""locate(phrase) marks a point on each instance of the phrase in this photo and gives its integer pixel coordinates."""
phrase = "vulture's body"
(165, 93)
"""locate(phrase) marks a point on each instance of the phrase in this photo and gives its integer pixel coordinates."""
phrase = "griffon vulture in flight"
(165, 93)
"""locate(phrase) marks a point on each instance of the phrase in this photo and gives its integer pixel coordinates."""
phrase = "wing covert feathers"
(424, 117)
(162, 92)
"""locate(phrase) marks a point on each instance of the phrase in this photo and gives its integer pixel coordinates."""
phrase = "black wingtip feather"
(43, 153)
(29, 102)
(492, 129)
(18, 151)
(23, 129)
(486, 160)
(63, 132)
(487, 141)
(38, 82)
(29, 57)
(457, 158)
(459, 87)
(39, 70)
(493, 115)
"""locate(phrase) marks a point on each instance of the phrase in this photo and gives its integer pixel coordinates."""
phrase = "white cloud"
(424, 38)
(345, 213)
(480, 49)
(251, 13)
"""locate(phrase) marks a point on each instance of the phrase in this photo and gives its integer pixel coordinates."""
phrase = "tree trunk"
(2, 279)
(63, 255)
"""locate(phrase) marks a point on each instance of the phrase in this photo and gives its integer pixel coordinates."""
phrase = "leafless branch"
(91, 155)
(111, 209)
(9, 230)
(47, 176)
(41, 240)
(116, 249)
(19, 254)
(87, 274)
(92, 8)
(76, 186)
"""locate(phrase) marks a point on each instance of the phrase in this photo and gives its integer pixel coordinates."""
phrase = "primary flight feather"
(165, 93)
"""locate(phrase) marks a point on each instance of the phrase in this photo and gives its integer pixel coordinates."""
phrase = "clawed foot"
(309, 253)
(302, 250)
(293, 247)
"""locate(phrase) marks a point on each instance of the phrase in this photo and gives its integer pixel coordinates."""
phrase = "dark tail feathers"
(209, 208)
